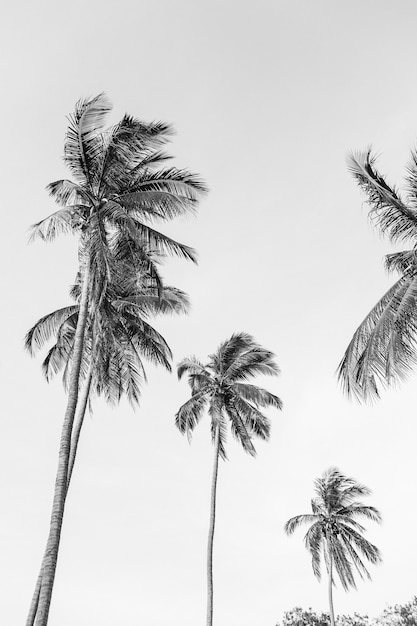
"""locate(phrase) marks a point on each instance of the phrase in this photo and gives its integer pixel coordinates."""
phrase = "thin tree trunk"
(52, 547)
(79, 423)
(74, 445)
(211, 529)
(330, 587)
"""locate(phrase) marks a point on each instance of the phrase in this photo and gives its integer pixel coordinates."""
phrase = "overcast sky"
(267, 99)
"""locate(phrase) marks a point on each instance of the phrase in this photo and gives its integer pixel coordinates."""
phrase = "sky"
(267, 99)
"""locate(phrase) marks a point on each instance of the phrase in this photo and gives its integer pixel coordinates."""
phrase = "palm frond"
(83, 142)
(359, 510)
(190, 413)
(299, 520)
(47, 327)
(313, 541)
(403, 262)
(257, 395)
(192, 366)
(58, 223)
(257, 423)
(341, 562)
(67, 193)
(386, 208)
(217, 421)
(382, 349)
(240, 430)
(229, 350)
(255, 360)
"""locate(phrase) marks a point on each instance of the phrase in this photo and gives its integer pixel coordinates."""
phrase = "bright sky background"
(267, 99)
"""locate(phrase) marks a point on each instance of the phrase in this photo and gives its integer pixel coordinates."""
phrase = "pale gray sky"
(267, 99)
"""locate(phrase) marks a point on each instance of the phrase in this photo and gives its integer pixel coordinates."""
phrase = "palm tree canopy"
(383, 348)
(335, 528)
(121, 185)
(118, 337)
(220, 387)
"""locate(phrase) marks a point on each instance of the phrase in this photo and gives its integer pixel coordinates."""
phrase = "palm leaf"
(387, 210)
(47, 327)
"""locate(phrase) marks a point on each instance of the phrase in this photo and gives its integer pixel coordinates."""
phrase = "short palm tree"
(334, 531)
(121, 185)
(383, 347)
(220, 387)
(117, 339)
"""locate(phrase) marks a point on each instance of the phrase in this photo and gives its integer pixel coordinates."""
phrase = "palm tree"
(112, 362)
(334, 531)
(120, 186)
(383, 348)
(220, 387)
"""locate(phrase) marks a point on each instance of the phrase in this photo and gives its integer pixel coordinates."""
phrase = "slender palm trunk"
(330, 586)
(211, 529)
(74, 446)
(79, 423)
(52, 546)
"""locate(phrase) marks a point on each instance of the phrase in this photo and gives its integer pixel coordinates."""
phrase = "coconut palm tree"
(334, 531)
(220, 387)
(120, 186)
(383, 348)
(116, 340)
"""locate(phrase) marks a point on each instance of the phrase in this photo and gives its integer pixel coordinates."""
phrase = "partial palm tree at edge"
(334, 531)
(220, 387)
(382, 350)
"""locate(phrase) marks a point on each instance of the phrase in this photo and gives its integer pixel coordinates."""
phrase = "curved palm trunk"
(52, 546)
(74, 446)
(211, 529)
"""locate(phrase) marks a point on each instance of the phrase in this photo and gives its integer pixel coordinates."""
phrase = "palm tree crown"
(334, 530)
(220, 387)
(383, 348)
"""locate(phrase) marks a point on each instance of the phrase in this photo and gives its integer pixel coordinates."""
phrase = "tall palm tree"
(383, 348)
(220, 387)
(116, 340)
(120, 186)
(334, 531)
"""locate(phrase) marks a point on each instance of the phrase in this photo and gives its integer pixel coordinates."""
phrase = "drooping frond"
(172, 192)
(342, 564)
(218, 421)
(313, 541)
(299, 520)
(47, 327)
(256, 422)
(192, 366)
(402, 262)
(239, 429)
(61, 352)
(151, 239)
(368, 549)
(257, 395)
(150, 302)
(67, 193)
(59, 223)
(357, 510)
(383, 348)
(386, 208)
(190, 413)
